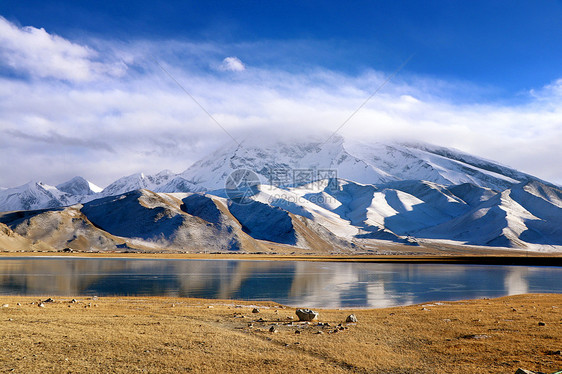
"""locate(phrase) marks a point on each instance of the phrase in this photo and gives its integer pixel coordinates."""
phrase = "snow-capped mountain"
(38, 195)
(441, 165)
(136, 182)
(297, 162)
(341, 192)
(284, 162)
(33, 195)
(511, 218)
(79, 186)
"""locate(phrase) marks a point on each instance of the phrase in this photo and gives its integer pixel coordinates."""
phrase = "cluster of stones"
(306, 319)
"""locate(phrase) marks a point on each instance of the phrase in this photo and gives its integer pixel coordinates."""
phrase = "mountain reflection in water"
(296, 283)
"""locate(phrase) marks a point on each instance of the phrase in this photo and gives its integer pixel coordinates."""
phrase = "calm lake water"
(294, 283)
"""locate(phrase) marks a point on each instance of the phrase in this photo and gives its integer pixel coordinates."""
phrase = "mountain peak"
(79, 186)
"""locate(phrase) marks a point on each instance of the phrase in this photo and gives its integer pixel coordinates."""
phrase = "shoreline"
(546, 259)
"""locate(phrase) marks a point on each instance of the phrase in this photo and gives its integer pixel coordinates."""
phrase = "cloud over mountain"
(131, 117)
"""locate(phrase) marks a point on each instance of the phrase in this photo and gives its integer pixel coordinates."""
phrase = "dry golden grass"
(184, 335)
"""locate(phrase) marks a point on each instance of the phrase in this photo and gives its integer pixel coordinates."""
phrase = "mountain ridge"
(340, 192)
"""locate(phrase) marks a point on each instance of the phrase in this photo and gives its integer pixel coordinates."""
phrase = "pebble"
(351, 318)
(5, 305)
(272, 329)
(255, 310)
(541, 323)
(41, 305)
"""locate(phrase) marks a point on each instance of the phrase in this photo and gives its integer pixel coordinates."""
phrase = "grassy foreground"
(191, 335)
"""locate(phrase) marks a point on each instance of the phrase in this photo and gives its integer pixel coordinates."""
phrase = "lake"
(294, 283)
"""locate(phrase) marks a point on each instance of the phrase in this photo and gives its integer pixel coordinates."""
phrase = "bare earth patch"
(169, 335)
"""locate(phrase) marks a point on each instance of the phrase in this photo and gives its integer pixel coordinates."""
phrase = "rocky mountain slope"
(144, 220)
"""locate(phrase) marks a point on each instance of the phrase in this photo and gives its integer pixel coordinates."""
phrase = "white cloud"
(232, 64)
(35, 52)
(144, 122)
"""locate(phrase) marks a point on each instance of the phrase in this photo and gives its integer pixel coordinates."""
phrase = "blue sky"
(510, 45)
(485, 78)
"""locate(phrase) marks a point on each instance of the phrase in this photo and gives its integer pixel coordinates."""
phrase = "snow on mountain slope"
(33, 195)
(491, 168)
(295, 202)
(178, 184)
(79, 186)
(503, 221)
(437, 195)
(472, 194)
(397, 207)
(275, 161)
(356, 204)
(540, 200)
(544, 203)
(436, 164)
(138, 181)
(548, 193)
